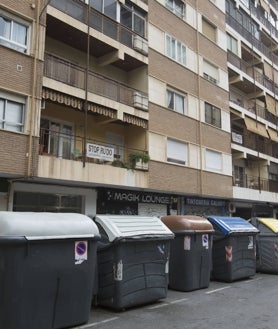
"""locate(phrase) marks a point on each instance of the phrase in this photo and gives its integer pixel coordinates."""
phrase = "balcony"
(73, 75)
(65, 157)
(248, 85)
(236, 25)
(62, 30)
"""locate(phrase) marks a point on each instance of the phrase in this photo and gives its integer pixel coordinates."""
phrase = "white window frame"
(172, 5)
(232, 44)
(175, 106)
(175, 50)
(5, 100)
(9, 42)
(213, 160)
(177, 152)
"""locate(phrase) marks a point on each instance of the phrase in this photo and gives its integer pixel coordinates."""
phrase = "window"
(177, 152)
(13, 34)
(213, 160)
(212, 115)
(57, 138)
(245, 2)
(11, 113)
(175, 101)
(107, 7)
(232, 44)
(133, 17)
(210, 72)
(209, 30)
(175, 50)
(176, 6)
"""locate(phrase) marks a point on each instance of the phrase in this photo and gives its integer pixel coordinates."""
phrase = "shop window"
(11, 112)
(13, 33)
(177, 152)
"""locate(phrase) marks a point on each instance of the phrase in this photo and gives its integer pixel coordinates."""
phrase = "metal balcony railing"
(79, 10)
(250, 37)
(255, 183)
(73, 75)
(71, 147)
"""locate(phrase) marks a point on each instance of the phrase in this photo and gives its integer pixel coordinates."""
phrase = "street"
(250, 303)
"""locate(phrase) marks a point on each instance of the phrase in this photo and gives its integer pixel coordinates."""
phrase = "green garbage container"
(190, 252)
(47, 268)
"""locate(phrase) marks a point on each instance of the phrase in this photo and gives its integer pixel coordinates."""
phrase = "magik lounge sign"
(100, 152)
(138, 197)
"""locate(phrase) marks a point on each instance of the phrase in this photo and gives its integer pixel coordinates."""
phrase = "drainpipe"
(198, 95)
(33, 92)
(86, 87)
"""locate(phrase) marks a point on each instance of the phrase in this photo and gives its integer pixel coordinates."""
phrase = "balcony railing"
(97, 21)
(249, 37)
(252, 107)
(71, 147)
(73, 75)
(255, 183)
(246, 68)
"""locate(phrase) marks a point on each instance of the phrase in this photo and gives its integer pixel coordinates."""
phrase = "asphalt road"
(246, 304)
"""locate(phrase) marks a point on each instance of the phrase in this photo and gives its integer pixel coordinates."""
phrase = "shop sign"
(100, 152)
(131, 196)
(205, 202)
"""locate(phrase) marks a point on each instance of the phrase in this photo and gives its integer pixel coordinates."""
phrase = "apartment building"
(131, 107)
(252, 34)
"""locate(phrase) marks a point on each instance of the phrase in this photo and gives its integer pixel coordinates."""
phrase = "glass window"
(177, 152)
(13, 34)
(57, 138)
(133, 17)
(176, 6)
(213, 115)
(213, 160)
(232, 44)
(175, 101)
(210, 72)
(11, 115)
(175, 50)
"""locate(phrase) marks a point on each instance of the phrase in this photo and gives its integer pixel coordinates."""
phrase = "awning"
(271, 104)
(256, 127)
(265, 6)
(135, 120)
(99, 109)
(273, 134)
(56, 96)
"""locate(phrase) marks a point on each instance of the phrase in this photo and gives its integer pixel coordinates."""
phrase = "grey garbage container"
(234, 248)
(47, 268)
(267, 244)
(190, 252)
(132, 260)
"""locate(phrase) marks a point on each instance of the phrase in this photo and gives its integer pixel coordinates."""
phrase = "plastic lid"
(187, 223)
(271, 223)
(43, 226)
(117, 226)
(228, 225)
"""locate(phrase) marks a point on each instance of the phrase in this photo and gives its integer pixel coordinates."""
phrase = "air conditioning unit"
(140, 101)
(140, 45)
(209, 78)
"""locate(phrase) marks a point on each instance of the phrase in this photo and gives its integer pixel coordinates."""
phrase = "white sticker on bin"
(187, 242)
(205, 240)
(81, 252)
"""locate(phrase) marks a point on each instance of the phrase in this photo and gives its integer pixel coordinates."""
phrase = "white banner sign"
(100, 152)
